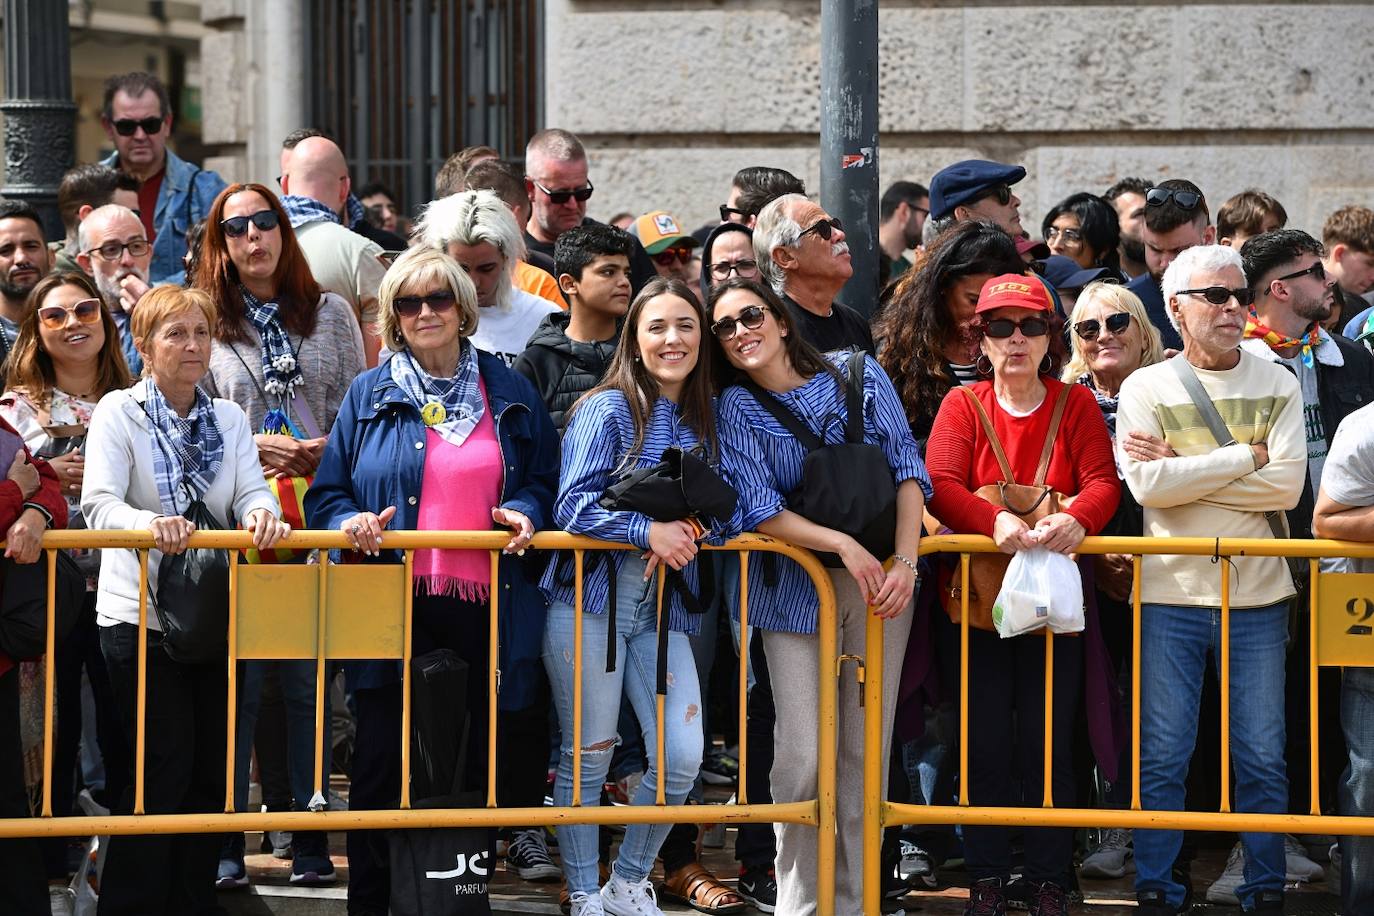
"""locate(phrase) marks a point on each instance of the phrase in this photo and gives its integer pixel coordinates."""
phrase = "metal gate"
(404, 84)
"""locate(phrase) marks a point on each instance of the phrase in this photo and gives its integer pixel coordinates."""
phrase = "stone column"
(38, 107)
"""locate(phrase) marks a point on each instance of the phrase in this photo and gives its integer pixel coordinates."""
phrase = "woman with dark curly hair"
(927, 335)
(1084, 227)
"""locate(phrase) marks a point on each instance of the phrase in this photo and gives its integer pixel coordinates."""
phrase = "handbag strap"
(854, 399)
(991, 433)
(787, 418)
(1042, 469)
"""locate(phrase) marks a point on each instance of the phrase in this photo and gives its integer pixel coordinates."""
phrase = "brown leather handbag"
(1030, 502)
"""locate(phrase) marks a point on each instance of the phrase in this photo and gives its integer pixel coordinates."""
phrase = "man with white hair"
(1194, 482)
(802, 254)
(477, 230)
(316, 185)
(113, 247)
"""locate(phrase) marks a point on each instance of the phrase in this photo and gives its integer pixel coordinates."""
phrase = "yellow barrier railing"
(1340, 606)
(363, 611)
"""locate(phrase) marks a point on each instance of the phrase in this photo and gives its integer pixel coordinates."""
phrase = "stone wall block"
(920, 69)
(224, 103)
(212, 11)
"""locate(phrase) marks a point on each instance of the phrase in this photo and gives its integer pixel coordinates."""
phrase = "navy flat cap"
(963, 181)
(1064, 273)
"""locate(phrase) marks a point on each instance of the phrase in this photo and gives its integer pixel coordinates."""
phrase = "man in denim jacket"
(175, 194)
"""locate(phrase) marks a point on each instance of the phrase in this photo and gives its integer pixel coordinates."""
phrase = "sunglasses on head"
(751, 316)
(1158, 197)
(127, 127)
(1001, 191)
(746, 268)
(1089, 328)
(667, 256)
(235, 226)
(54, 317)
(728, 214)
(824, 228)
(441, 300)
(562, 197)
(1002, 328)
(1220, 295)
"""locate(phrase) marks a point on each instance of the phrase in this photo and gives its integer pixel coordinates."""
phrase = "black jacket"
(563, 369)
(389, 241)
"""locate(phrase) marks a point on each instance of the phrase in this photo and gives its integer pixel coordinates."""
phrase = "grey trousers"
(792, 661)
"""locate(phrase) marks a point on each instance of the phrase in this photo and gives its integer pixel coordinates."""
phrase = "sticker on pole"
(853, 160)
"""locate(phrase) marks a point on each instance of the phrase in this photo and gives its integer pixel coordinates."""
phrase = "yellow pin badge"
(433, 413)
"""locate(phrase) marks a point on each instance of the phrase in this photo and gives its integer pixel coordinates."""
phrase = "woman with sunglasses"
(763, 459)
(286, 352)
(65, 359)
(440, 437)
(1021, 350)
(1084, 227)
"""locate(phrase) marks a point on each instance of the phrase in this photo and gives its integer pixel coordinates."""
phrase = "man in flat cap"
(977, 189)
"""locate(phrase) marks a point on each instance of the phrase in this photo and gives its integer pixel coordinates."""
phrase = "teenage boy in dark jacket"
(569, 352)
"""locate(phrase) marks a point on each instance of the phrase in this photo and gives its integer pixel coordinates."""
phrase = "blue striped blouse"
(764, 462)
(595, 443)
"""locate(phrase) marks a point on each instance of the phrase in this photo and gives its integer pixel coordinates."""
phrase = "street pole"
(38, 108)
(849, 137)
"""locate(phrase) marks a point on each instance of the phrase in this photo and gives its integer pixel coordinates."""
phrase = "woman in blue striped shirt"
(764, 462)
(657, 394)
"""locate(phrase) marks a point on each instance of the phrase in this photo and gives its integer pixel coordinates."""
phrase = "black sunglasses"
(1158, 197)
(751, 316)
(235, 226)
(1001, 191)
(1317, 270)
(1220, 295)
(127, 127)
(823, 228)
(726, 211)
(1001, 328)
(1089, 328)
(441, 300)
(562, 197)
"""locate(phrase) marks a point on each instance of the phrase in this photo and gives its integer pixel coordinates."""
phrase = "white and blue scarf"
(460, 396)
(189, 452)
(301, 210)
(280, 373)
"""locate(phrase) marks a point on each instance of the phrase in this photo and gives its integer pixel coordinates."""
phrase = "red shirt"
(147, 202)
(960, 459)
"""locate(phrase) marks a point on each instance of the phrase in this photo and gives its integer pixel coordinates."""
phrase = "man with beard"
(1128, 197)
(901, 217)
(802, 254)
(24, 260)
(114, 250)
(1176, 219)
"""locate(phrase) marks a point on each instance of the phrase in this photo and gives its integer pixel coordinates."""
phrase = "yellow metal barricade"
(1341, 625)
(363, 611)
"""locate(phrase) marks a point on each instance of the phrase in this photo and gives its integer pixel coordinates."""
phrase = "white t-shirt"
(1313, 428)
(505, 330)
(1348, 473)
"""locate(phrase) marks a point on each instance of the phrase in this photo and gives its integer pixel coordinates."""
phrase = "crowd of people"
(230, 355)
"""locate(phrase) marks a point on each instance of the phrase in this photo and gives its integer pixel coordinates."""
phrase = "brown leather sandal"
(702, 891)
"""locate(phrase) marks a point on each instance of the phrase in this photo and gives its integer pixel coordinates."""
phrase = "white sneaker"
(623, 898)
(1296, 863)
(587, 905)
(1113, 858)
(61, 900)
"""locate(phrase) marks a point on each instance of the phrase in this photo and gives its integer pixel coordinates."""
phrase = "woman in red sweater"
(1022, 350)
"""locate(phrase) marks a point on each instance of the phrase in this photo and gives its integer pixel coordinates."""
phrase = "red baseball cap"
(1013, 291)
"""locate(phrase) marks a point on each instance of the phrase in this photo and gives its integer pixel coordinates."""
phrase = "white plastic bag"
(1041, 588)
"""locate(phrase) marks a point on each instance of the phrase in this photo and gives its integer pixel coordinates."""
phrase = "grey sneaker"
(1113, 858)
(915, 867)
(1334, 883)
(1223, 890)
(1296, 863)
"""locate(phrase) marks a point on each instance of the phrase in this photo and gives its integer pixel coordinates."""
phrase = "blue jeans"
(1357, 790)
(298, 695)
(634, 676)
(1175, 642)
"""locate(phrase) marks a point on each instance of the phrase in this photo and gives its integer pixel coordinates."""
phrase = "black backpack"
(849, 486)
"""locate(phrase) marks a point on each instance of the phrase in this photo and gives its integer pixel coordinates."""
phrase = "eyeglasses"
(824, 228)
(54, 317)
(441, 300)
(746, 268)
(727, 213)
(1317, 270)
(562, 197)
(1001, 191)
(113, 251)
(667, 256)
(1220, 295)
(1158, 197)
(1089, 328)
(751, 316)
(126, 127)
(1066, 235)
(1001, 328)
(235, 226)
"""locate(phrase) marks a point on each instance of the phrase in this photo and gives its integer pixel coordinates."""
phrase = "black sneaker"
(1154, 903)
(1048, 899)
(310, 862)
(759, 887)
(1268, 902)
(528, 856)
(986, 897)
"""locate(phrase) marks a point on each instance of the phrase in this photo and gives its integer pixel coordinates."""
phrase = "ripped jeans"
(634, 674)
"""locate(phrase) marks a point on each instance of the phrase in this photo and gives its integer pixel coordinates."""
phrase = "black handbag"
(849, 486)
(192, 601)
(24, 604)
(681, 485)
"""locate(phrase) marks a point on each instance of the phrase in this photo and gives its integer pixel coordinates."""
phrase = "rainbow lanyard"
(1277, 341)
